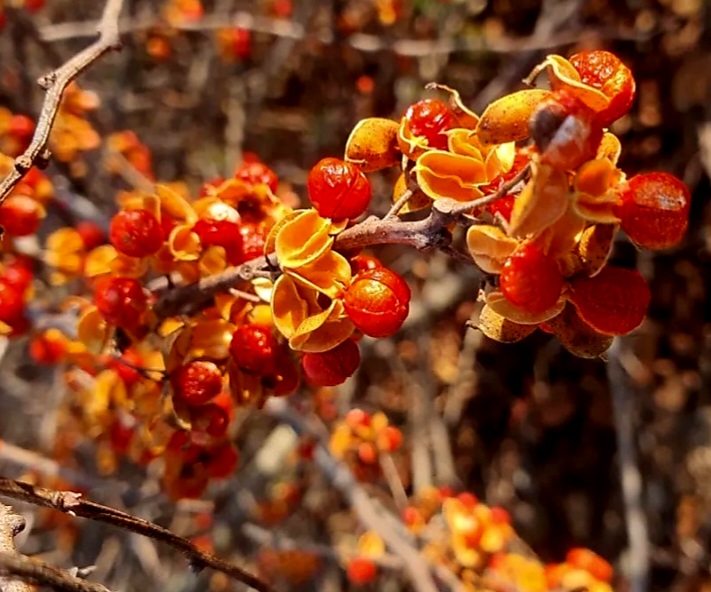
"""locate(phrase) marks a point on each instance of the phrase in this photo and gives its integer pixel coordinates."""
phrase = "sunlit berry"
(338, 189)
(12, 304)
(429, 118)
(121, 301)
(221, 233)
(196, 382)
(331, 367)
(531, 280)
(604, 71)
(255, 349)
(257, 173)
(655, 210)
(20, 215)
(91, 234)
(565, 131)
(361, 571)
(591, 562)
(136, 233)
(377, 302)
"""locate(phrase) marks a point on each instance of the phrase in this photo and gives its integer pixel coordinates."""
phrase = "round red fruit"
(430, 118)
(20, 215)
(136, 233)
(91, 234)
(18, 274)
(196, 383)
(12, 304)
(363, 262)
(257, 173)
(21, 127)
(254, 237)
(531, 280)
(377, 302)
(48, 348)
(606, 72)
(255, 349)
(221, 233)
(331, 367)
(655, 210)
(338, 189)
(361, 571)
(121, 301)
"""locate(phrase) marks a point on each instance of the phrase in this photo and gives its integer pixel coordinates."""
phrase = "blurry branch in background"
(71, 503)
(54, 84)
(282, 28)
(631, 480)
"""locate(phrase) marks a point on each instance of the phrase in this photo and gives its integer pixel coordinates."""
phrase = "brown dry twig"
(72, 503)
(36, 572)
(54, 84)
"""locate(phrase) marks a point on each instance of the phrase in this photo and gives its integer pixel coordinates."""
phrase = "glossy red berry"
(430, 118)
(20, 215)
(136, 233)
(604, 71)
(655, 210)
(331, 367)
(565, 130)
(18, 274)
(255, 349)
(121, 301)
(531, 280)
(254, 237)
(12, 304)
(377, 302)
(361, 571)
(91, 234)
(221, 233)
(257, 173)
(338, 189)
(196, 382)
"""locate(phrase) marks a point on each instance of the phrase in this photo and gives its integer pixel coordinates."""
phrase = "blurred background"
(526, 426)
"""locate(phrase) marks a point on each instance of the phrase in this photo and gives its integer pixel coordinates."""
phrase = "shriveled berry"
(429, 118)
(121, 301)
(565, 130)
(331, 367)
(361, 571)
(196, 382)
(377, 302)
(20, 215)
(136, 233)
(606, 72)
(255, 349)
(12, 304)
(257, 173)
(221, 233)
(338, 189)
(531, 280)
(655, 210)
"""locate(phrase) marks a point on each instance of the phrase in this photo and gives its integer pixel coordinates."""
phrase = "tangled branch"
(54, 84)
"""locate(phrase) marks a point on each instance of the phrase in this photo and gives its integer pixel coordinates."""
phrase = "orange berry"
(655, 210)
(357, 418)
(604, 71)
(367, 453)
(530, 279)
(591, 562)
(390, 439)
(255, 349)
(377, 302)
(338, 189)
(361, 571)
(429, 119)
(197, 382)
(565, 130)
(331, 367)
(136, 233)
(121, 301)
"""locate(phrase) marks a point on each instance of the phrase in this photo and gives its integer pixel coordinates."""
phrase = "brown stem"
(72, 503)
(11, 524)
(54, 84)
(36, 572)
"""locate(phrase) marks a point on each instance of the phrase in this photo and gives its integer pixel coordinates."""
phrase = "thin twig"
(36, 572)
(72, 503)
(399, 204)
(54, 85)
(630, 476)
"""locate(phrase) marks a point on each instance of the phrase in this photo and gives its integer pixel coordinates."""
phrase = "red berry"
(565, 130)
(363, 262)
(21, 127)
(12, 304)
(338, 189)
(361, 571)
(377, 302)
(18, 275)
(214, 417)
(242, 45)
(20, 215)
(136, 233)
(655, 210)
(121, 301)
(331, 367)
(91, 234)
(531, 280)
(255, 349)
(286, 379)
(257, 173)
(429, 118)
(48, 348)
(223, 461)
(127, 366)
(196, 383)
(604, 71)
(254, 237)
(221, 233)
